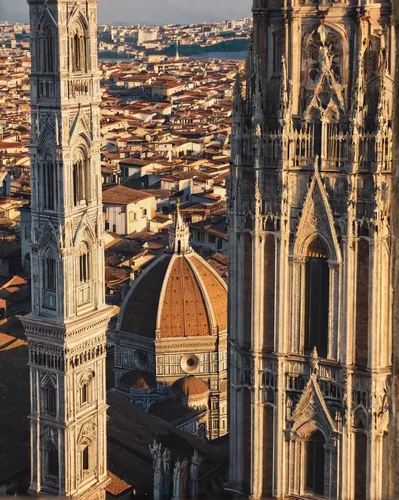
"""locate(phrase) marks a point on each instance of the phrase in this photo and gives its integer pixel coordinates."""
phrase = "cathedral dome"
(190, 386)
(179, 295)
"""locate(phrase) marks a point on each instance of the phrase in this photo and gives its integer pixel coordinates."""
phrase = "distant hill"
(236, 45)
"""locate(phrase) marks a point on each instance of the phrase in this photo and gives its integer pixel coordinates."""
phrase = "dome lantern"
(179, 234)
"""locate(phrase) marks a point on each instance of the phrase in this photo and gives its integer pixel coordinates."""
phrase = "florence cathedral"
(309, 280)
(171, 338)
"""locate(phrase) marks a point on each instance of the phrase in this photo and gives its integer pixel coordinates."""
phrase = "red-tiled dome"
(177, 296)
(190, 386)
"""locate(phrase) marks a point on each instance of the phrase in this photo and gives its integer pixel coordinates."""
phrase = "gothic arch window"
(268, 433)
(362, 302)
(84, 274)
(85, 393)
(48, 184)
(50, 463)
(52, 460)
(46, 47)
(80, 178)
(49, 280)
(78, 49)
(48, 396)
(86, 386)
(86, 451)
(315, 463)
(269, 290)
(323, 47)
(317, 298)
(85, 458)
(360, 462)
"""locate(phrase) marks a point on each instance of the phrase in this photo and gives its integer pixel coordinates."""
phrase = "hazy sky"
(151, 11)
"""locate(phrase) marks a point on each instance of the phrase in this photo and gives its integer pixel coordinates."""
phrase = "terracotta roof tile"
(116, 486)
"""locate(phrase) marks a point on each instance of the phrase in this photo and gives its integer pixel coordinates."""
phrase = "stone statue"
(194, 475)
(176, 480)
(156, 453)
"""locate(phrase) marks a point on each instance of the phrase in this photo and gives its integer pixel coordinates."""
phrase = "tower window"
(52, 461)
(48, 54)
(79, 182)
(85, 393)
(49, 405)
(317, 299)
(315, 458)
(84, 268)
(48, 188)
(78, 51)
(85, 458)
(49, 275)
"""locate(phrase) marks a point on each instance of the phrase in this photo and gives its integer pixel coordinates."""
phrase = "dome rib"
(176, 296)
(205, 295)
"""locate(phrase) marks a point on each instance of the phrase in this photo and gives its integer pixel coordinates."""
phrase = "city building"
(309, 279)
(66, 329)
(171, 339)
(127, 210)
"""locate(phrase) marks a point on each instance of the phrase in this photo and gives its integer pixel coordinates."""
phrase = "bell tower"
(66, 329)
(309, 282)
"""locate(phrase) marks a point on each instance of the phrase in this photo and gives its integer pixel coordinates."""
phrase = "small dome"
(138, 380)
(191, 386)
(179, 295)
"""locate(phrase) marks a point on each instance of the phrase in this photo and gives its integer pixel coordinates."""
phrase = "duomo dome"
(173, 324)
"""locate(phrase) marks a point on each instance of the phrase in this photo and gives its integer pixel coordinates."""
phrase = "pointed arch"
(81, 188)
(84, 233)
(86, 387)
(48, 240)
(50, 462)
(47, 41)
(48, 395)
(317, 219)
(78, 41)
(47, 139)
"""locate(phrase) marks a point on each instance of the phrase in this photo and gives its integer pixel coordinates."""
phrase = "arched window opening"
(79, 51)
(268, 433)
(79, 181)
(179, 247)
(49, 187)
(362, 303)
(48, 55)
(85, 393)
(317, 298)
(315, 462)
(360, 464)
(52, 461)
(49, 399)
(84, 268)
(269, 291)
(49, 282)
(46, 48)
(85, 458)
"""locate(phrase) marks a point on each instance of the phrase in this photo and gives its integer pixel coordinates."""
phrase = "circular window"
(141, 360)
(189, 363)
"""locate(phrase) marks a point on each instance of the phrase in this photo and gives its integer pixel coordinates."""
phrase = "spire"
(179, 234)
(177, 57)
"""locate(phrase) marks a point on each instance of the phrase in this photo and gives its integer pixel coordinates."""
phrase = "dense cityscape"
(198, 252)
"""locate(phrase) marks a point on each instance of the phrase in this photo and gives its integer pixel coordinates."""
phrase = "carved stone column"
(333, 324)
